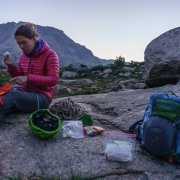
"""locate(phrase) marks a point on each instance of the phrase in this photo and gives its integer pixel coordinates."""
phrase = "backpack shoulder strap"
(133, 126)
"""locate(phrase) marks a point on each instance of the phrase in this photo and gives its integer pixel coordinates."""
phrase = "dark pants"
(15, 100)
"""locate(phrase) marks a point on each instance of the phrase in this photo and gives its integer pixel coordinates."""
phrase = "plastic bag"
(119, 146)
(73, 129)
(93, 130)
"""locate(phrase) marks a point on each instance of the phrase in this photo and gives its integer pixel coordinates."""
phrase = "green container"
(87, 120)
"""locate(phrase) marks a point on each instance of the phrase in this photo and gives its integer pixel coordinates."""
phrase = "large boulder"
(59, 89)
(67, 74)
(107, 71)
(162, 59)
(128, 69)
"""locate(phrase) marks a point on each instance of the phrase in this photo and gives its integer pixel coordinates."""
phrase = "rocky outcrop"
(69, 74)
(59, 89)
(24, 154)
(128, 69)
(113, 78)
(86, 81)
(162, 59)
(107, 71)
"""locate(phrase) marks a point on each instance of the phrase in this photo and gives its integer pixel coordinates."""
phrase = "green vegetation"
(69, 68)
(100, 68)
(119, 61)
(4, 76)
(100, 83)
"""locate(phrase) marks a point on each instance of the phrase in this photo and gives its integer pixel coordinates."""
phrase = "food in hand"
(7, 53)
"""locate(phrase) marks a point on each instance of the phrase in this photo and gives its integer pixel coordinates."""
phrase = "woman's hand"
(19, 79)
(8, 61)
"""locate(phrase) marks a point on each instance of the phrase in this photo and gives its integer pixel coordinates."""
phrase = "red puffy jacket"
(42, 71)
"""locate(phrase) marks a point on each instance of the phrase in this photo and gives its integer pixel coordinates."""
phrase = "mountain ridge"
(68, 51)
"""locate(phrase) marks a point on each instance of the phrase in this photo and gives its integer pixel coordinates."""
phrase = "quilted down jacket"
(42, 71)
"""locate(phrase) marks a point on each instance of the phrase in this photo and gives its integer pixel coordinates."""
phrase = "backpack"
(159, 128)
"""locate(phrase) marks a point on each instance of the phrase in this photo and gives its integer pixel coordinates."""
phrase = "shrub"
(69, 68)
(82, 65)
(119, 61)
(100, 67)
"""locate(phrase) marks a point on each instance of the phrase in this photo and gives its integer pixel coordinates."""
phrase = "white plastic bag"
(73, 129)
(119, 146)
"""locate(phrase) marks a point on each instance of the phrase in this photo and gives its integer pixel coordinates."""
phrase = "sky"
(109, 28)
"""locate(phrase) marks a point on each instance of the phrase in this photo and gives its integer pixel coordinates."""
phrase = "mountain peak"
(68, 51)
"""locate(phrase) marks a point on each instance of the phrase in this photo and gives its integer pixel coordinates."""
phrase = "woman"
(36, 74)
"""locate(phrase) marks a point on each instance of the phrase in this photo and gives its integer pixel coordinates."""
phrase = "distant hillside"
(67, 50)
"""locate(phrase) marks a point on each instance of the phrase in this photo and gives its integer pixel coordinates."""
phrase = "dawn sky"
(109, 28)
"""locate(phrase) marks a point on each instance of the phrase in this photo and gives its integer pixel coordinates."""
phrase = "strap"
(133, 127)
(176, 122)
(177, 160)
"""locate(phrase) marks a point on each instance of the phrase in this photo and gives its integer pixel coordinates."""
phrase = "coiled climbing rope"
(67, 109)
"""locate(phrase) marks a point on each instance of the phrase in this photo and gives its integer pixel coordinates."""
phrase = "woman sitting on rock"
(36, 74)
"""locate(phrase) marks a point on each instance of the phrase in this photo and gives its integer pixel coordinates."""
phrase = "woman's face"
(26, 44)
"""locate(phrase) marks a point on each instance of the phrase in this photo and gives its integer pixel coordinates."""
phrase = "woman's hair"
(27, 30)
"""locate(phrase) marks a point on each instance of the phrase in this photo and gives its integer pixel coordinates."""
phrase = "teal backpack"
(159, 128)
